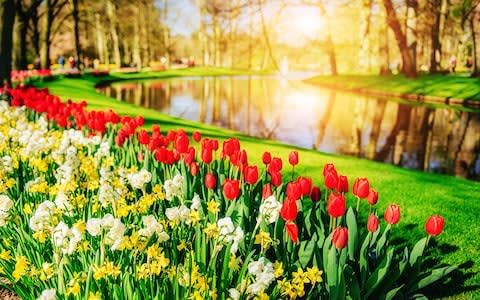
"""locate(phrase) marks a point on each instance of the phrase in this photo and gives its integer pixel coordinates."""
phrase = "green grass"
(447, 86)
(419, 194)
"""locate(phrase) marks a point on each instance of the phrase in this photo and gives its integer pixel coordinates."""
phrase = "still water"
(416, 136)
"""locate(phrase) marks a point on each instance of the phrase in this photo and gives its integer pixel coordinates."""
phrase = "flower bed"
(94, 207)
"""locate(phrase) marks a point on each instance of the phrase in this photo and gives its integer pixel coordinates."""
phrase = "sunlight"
(300, 24)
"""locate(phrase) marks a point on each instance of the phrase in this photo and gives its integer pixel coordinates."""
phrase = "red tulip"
(315, 194)
(392, 214)
(336, 205)
(292, 231)
(210, 181)
(361, 188)
(372, 224)
(276, 178)
(266, 158)
(189, 157)
(197, 136)
(372, 197)
(434, 225)
(342, 185)
(306, 184)
(289, 210)
(294, 191)
(330, 176)
(231, 188)
(194, 169)
(266, 191)
(171, 135)
(251, 174)
(275, 165)
(293, 158)
(340, 237)
(143, 137)
(207, 155)
(181, 143)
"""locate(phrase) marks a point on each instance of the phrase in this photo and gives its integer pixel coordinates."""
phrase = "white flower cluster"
(195, 202)
(49, 294)
(65, 238)
(66, 171)
(42, 218)
(178, 214)
(5, 205)
(269, 210)
(173, 187)
(228, 233)
(139, 179)
(151, 227)
(264, 275)
(6, 163)
(106, 193)
(62, 203)
(73, 138)
(33, 137)
(115, 227)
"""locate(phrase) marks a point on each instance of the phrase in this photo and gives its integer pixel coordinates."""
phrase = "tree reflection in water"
(411, 136)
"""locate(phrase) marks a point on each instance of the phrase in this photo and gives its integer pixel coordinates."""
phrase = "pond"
(417, 136)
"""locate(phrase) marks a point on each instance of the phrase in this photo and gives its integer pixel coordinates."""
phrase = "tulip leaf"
(417, 251)
(364, 259)
(352, 283)
(383, 240)
(379, 274)
(393, 293)
(434, 276)
(352, 234)
(306, 250)
(326, 246)
(332, 273)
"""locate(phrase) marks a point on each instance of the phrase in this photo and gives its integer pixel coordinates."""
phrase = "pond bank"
(447, 89)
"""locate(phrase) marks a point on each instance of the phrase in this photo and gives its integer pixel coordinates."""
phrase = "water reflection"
(418, 137)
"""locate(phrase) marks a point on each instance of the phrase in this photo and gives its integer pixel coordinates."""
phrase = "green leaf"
(434, 276)
(417, 251)
(383, 240)
(352, 233)
(352, 283)
(306, 250)
(332, 273)
(379, 274)
(364, 259)
(393, 292)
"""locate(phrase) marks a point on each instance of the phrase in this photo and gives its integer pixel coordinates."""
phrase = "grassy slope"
(432, 85)
(419, 194)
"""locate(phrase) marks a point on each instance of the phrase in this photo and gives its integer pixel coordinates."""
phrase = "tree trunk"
(266, 37)
(111, 12)
(8, 20)
(36, 32)
(46, 36)
(22, 53)
(474, 42)
(100, 38)
(76, 33)
(392, 20)
(366, 16)
(166, 35)
(137, 59)
(435, 37)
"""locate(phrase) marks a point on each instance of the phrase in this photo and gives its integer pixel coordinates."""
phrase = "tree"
(76, 33)
(8, 20)
(52, 11)
(26, 10)
(392, 20)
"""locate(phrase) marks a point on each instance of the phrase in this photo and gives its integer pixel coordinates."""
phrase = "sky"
(293, 24)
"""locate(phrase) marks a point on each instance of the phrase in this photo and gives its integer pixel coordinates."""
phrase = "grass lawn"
(447, 86)
(419, 194)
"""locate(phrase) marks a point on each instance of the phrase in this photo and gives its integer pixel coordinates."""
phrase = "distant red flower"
(330, 176)
(189, 157)
(336, 206)
(361, 188)
(194, 169)
(392, 214)
(340, 237)
(207, 155)
(251, 174)
(372, 224)
(434, 225)
(210, 181)
(372, 197)
(294, 191)
(231, 188)
(276, 178)
(143, 137)
(275, 165)
(306, 184)
(342, 185)
(292, 230)
(293, 158)
(315, 194)
(181, 143)
(289, 210)
(266, 191)
(266, 158)
(197, 136)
